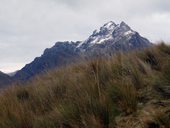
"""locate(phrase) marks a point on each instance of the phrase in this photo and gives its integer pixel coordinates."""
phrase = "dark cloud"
(27, 27)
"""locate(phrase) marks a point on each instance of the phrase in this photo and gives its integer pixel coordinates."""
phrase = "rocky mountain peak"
(109, 32)
(105, 41)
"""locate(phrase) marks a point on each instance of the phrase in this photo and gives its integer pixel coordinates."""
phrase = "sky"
(27, 27)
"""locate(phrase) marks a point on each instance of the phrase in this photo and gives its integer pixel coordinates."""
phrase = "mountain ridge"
(107, 40)
(110, 32)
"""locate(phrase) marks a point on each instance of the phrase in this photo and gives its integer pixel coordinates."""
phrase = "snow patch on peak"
(130, 32)
(82, 42)
(110, 24)
(104, 40)
(108, 32)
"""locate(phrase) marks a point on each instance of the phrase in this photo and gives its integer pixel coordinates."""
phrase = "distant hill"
(4, 79)
(109, 39)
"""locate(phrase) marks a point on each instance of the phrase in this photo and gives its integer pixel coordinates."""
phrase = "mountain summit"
(107, 40)
(119, 36)
(101, 35)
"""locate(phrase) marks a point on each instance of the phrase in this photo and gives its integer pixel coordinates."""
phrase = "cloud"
(27, 27)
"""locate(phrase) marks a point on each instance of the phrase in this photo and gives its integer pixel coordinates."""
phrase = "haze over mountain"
(107, 40)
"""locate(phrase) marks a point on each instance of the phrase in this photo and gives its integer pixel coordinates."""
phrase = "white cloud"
(27, 27)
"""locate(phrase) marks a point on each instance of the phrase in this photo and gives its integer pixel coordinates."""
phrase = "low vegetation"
(123, 91)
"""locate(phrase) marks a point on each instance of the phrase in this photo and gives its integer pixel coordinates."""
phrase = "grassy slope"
(122, 91)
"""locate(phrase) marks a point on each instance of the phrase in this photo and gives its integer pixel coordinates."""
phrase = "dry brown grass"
(87, 95)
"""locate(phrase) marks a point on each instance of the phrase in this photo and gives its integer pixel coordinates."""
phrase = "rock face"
(109, 39)
(114, 37)
(60, 54)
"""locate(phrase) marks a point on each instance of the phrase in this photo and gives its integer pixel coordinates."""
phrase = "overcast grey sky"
(27, 27)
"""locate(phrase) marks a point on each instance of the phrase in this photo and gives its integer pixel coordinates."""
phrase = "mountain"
(109, 39)
(61, 53)
(113, 37)
(4, 79)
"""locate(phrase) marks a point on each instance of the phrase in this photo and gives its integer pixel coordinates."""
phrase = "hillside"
(129, 90)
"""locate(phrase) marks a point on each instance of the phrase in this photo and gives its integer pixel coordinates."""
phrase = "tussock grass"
(87, 95)
(162, 118)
